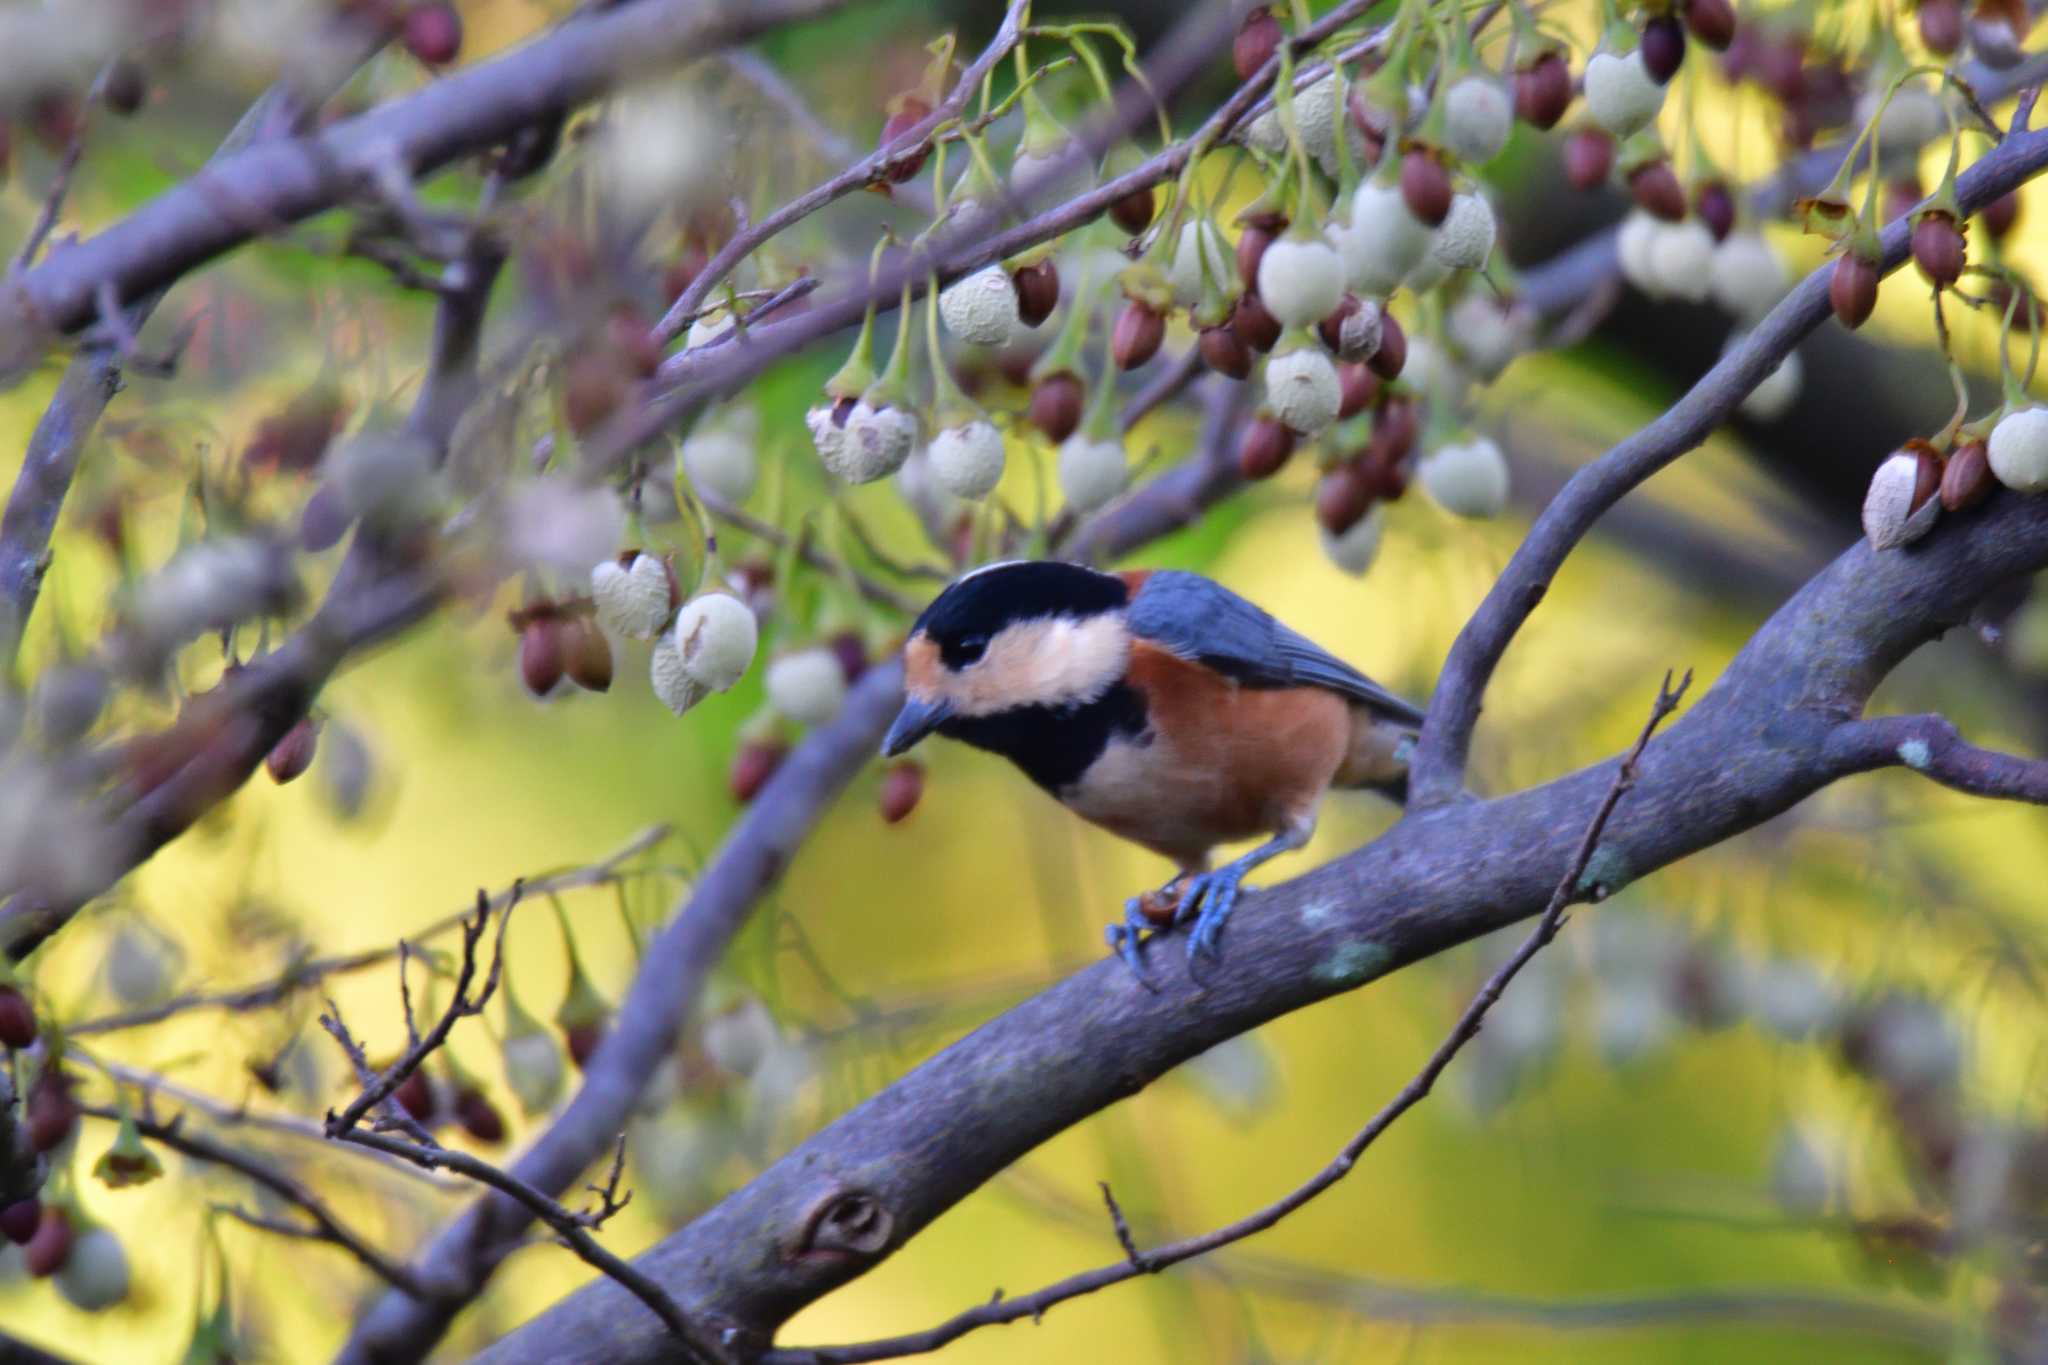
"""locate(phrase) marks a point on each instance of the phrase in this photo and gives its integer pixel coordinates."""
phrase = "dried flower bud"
(752, 766)
(433, 32)
(1966, 479)
(1038, 291)
(1654, 186)
(17, 1018)
(1133, 212)
(293, 754)
(1711, 21)
(1056, 405)
(1663, 48)
(540, 653)
(1852, 288)
(478, 1116)
(1425, 186)
(1392, 356)
(49, 1246)
(1267, 444)
(1899, 507)
(2018, 450)
(1588, 158)
(128, 1161)
(295, 438)
(586, 654)
(1715, 206)
(2000, 214)
(1938, 248)
(1343, 496)
(1137, 335)
(19, 1220)
(1543, 90)
(1941, 26)
(1359, 387)
(1352, 329)
(52, 1113)
(902, 788)
(415, 1095)
(910, 112)
(1254, 324)
(1257, 38)
(1225, 352)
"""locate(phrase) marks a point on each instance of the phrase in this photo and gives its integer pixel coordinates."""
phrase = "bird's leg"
(1212, 895)
(1123, 938)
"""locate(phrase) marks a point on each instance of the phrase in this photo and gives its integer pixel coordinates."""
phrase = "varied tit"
(1159, 705)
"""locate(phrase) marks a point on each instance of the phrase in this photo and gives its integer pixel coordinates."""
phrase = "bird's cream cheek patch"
(1056, 662)
(921, 667)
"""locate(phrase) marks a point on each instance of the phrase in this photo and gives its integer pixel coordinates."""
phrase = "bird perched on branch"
(1159, 705)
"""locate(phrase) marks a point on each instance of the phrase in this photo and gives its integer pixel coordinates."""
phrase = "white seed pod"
(142, 965)
(634, 600)
(920, 488)
(380, 473)
(1487, 335)
(1300, 280)
(94, 1275)
(1477, 118)
(1682, 259)
(533, 1069)
(1434, 374)
(721, 463)
(827, 435)
(706, 330)
(878, 441)
(738, 1040)
(1201, 247)
(1889, 517)
(1318, 113)
(1467, 479)
(715, 638)
(2019, 450)
(1466, 238)
(967, 460)
(1799, 1173)
(1358, 335)
(1303, 390)
(1776, 392)
(1427, 275)
(1091, 471)
(1792, 999)
(1621, 94)
(677, 690)
(1631, 1019)
(1355, 550)
(1748, 276)
(1265, 133)
(1385, 240)
(552, 523)
(808, 686)
(1632, 246)
(981, 308)
(1910, 121)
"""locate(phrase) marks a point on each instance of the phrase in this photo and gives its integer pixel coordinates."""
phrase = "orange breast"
(1220, 763)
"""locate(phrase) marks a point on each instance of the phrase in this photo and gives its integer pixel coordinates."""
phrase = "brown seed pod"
(1663, 47)
(1995, 29)
(1852, 289)
(902, 788)
(910, 111)
(1394, 430)
(1343, 496)
(415, 1095)
(1371, 124)
(582, 1041)
(1425, 186)
(1941, 26)
(1137, 335)
(478, 1116)
(627, 333)
(1900, 195)
(1927, 469)
(433, 32)
(1655, 188)
(1711, 21)
(49, 1247)
(1133, 212)
(1938, 248)
(19, 1220)
(1588, 158)
(125, 88)
(293, 754)
(17, 1018)
(52, 1113)
(1359, 386)
(1038, 291)
(851, 650)
(1715, 206)
(1543, 90)
(1225, 352)
(2000, 214)
(752, 766)
(592, 389)
(586, 654)
(1266, 445)
(1781, 68)
(541, 658)
(1388, 361)
(1252, 243)
(1258, 37)
(1966, 479)
(1056, 404)
(1254, 323)
(294, 439)
(1349, 331)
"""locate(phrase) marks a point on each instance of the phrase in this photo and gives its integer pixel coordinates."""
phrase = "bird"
(1159, 705)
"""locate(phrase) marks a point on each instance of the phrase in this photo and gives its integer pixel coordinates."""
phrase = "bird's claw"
(1210, 898)
(1123, 939)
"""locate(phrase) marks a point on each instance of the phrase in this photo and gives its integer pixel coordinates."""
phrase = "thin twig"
(877, 593)
(1569, 887)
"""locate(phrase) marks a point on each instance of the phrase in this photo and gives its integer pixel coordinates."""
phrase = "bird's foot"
(1124, 938)
(1210, 898)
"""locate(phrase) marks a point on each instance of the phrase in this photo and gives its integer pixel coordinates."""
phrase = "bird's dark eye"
(965, 649)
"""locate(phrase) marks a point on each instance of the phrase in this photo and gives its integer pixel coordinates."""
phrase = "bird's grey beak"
(916, 720)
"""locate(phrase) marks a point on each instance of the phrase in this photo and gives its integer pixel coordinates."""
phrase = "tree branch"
(1438, 772)
(1754, 745)
(1931, 746)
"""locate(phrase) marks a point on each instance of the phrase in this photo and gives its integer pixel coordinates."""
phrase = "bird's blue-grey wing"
(1202, 620)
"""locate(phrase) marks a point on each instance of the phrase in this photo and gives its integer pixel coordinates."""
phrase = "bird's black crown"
(962, 619)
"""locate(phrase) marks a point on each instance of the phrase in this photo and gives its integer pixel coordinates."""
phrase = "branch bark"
(1756, 744)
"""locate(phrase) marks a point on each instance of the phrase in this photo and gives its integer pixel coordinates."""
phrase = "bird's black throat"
(1054, 745)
